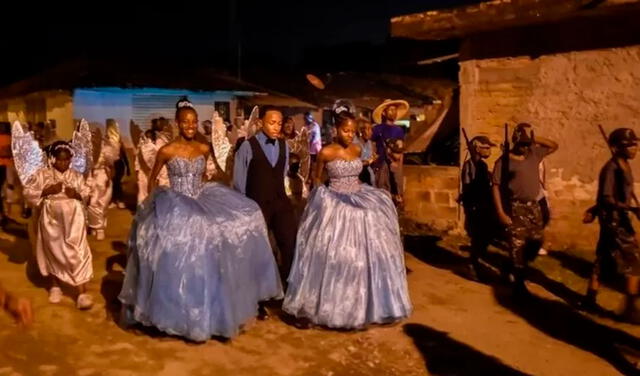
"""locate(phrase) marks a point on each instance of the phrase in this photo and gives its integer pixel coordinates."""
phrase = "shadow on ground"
(444, 355)
(557, 319)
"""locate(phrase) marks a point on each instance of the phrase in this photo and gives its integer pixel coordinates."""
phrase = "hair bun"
(342, 105)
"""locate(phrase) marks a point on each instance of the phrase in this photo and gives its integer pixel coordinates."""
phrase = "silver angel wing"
(254, 123)
(221, 145)
(135, 132)
(82, 146)
(27, 155)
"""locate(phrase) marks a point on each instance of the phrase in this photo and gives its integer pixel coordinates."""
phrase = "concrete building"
(127, 93)
(564, 66)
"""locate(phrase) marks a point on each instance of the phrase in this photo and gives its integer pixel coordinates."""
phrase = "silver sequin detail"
(343, 175)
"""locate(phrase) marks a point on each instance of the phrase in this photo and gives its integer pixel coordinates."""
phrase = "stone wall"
(430, 196)
(565, 96)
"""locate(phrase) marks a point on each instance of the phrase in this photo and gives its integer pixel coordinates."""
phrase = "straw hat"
(402, 106)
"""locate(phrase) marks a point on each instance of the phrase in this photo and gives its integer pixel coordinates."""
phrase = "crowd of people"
(200, 261)
(508, 207)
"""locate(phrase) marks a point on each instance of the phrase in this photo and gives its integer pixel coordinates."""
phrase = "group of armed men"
(509, 204)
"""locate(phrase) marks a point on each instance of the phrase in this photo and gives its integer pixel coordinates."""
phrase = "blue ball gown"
(348, 269)
(199, 258)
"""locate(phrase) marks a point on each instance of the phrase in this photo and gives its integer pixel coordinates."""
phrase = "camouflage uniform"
(520, 191)
(525, 235)
(617, 244)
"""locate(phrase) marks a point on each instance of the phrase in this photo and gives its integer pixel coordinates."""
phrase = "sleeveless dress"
(199, 258)
(349, 266)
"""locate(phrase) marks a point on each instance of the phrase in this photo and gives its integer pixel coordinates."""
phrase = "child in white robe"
(58, 194)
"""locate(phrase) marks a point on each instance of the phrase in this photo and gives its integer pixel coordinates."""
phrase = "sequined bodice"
(185, 175)
(343, 175)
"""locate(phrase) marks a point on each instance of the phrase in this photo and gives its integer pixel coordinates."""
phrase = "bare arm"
(320, 162)
(552, 146)
(497, 201)
(161, 160)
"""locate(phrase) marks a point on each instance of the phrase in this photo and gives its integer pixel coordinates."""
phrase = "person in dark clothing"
(515, 197)
(121, 168)
(476, 197)
(617, 242)
(261, 164)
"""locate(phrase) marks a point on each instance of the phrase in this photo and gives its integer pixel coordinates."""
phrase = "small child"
(62, 251)
(365, 132)
(101, 180)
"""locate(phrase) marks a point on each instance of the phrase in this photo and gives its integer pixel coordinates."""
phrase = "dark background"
(234, 36)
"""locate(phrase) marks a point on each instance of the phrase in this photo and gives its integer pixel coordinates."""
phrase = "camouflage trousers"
(525, 234)
(617, 246)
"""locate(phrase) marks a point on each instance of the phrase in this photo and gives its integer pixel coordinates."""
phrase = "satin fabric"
(199, 258)
(101, 185)
(349, 266)
(148, 150)
(60, 242)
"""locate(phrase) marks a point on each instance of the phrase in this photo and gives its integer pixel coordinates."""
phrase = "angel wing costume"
(100, 179)
(146, 153)
(60, 242)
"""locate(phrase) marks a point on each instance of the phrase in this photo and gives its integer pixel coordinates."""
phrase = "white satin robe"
(60, 242)
(147, 150)
(101, 185)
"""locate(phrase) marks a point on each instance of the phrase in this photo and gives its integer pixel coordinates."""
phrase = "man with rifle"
(516, 188)
(477, 201)
(617, 241)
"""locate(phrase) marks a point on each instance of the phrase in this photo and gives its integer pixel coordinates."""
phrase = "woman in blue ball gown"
(199, 257)
(348, 269)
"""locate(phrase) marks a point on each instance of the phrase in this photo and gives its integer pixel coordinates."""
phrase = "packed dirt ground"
(458, 327)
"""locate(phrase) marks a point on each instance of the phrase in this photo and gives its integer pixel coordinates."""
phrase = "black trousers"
(281, 221)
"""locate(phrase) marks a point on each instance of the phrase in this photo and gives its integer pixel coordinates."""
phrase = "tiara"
(340, 109)
(185, 103)
(63, 146)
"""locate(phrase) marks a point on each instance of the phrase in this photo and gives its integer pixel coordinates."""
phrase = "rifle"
(606, 140)
(504, 173)
(469, 146)
(473, 164)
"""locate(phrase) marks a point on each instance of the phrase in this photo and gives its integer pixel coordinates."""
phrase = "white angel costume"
(61, 243)
(100, 179)
(146, 153)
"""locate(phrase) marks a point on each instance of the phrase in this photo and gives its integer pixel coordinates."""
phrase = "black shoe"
(263, 314)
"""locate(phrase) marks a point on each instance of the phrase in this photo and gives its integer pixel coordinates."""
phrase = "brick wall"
(565, 96)
(430, 195)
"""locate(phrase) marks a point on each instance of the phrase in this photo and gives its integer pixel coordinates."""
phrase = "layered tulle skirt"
(349, 266)
(198, 266)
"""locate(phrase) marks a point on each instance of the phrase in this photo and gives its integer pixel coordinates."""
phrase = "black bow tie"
(271, 141)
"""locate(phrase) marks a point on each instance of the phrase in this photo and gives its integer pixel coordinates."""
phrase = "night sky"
(280, 33)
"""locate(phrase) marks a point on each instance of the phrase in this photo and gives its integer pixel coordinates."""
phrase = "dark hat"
(522, 134)
(623, 137)
(484, 140)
